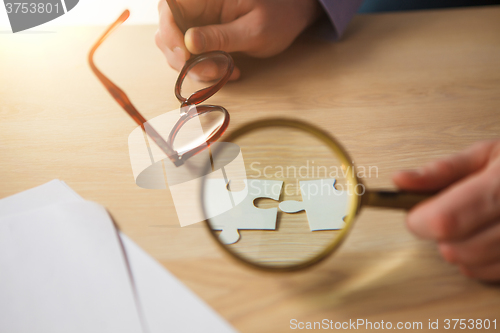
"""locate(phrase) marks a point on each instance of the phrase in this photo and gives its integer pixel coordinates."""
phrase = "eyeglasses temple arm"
(123, 99)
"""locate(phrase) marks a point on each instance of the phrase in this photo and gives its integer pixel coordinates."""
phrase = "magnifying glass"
(296, 199)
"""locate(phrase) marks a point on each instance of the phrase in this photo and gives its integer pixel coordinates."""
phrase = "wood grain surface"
(398, 90)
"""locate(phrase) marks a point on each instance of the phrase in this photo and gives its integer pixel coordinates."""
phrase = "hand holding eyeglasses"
(258, 28)
(216, 117)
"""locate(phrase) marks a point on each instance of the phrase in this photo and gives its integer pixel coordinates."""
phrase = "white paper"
(163, 303)
(167, 304)
(53, 192)
(62, 270)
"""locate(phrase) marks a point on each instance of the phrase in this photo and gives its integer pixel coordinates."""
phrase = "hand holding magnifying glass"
(463, 217)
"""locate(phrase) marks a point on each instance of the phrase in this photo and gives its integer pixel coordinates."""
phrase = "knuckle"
(468, 271)
(222, 39)
(160, 37)
(463, 254)
(260, 25)
(261, 44)
(494, 195)
(495, 153)
(449, 252)
(162, 5)
(483, 145)
(487, 273)
(171, 60)
(444, 167)
(158, 40)
(260, 20)
(171, 65)
(443, 226)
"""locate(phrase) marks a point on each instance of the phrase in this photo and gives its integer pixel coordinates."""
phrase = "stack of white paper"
(65, 268)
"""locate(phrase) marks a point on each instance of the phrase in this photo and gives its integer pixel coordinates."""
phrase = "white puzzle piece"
(245, 215)
(325, 206)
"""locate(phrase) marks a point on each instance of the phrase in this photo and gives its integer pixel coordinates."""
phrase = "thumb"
(440, 174)
(228, 37)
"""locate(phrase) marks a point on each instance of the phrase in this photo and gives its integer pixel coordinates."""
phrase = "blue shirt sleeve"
(339, 13)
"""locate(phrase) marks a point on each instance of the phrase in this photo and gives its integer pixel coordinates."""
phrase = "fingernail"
(416, 173)
(179, 53)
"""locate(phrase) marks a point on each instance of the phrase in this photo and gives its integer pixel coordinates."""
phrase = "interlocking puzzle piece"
(245, 215)
(325, 206)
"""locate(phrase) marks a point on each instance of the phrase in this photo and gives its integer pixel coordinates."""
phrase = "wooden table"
(399, 90)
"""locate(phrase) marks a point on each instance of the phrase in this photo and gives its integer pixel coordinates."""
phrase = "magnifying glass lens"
(292, 207)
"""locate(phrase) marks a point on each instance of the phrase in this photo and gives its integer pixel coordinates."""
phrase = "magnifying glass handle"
(393, 199)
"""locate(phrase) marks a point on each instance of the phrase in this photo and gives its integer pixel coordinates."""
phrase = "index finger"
(441, 173)
(169, 33)
(462, 209)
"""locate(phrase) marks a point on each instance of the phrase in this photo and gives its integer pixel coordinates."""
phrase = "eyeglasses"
(220, 63)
